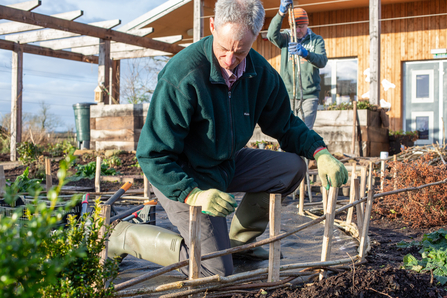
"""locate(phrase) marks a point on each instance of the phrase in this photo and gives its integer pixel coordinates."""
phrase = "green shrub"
(28, 152)
(40, 259)
(60, 149)
(25, 184)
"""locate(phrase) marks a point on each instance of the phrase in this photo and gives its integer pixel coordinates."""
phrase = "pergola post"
(374, 40)
(198, 21)
(115, 81)
(104, 69)
(16, 99)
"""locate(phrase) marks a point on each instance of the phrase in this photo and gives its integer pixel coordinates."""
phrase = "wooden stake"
(370, 176)
(329, 226)
(363, 181)
(275, 247)
(2, 180)
(146, 191)
(365, 228)
(301, 206)
(195, 251)
(324, 198)
(98, 174)
(351, 194)
(358, 207)
(382, 174)
(105, 214)
(48, 177)
(354, 126)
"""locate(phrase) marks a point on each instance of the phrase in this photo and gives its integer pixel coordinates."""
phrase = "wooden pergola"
(92, 43)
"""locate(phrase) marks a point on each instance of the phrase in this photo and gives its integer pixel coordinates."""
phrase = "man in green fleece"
(310, 48)
(208, 99)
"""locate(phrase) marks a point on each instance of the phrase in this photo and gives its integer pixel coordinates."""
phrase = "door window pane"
(422, 86)
(326, 84)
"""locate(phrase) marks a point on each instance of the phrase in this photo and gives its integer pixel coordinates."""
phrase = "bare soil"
(381, 276)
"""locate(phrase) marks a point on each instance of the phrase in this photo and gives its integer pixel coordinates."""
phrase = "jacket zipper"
(231, 123)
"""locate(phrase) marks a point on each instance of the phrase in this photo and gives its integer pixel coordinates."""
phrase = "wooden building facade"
(409, 33)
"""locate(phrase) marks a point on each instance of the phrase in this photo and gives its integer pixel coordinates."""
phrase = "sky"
(61, 83)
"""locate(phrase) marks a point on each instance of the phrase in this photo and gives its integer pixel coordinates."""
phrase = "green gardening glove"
(331, 171)
(214, 202)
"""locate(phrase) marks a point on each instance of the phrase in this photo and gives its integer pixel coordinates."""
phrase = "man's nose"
(230, 59)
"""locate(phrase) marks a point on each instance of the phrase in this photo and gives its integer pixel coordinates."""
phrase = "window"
(422, 86)
(338, 81)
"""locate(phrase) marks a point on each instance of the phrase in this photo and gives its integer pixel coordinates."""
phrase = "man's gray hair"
(249, 13)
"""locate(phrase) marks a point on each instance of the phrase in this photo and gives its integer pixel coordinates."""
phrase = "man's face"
(301, 31)
(229, 51)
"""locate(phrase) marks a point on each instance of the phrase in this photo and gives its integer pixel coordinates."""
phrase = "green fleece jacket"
(310, 74)
(195, 124)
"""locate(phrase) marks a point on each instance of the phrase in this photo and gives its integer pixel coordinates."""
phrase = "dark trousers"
(256, 171)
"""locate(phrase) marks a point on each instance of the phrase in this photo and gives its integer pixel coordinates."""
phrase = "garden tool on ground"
(293, 38)
(148, 242)
(250, 221)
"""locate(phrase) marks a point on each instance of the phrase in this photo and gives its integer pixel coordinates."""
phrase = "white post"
(104, 69)
(198, 21)
(16, 99)
(274, 247)
(374, 40)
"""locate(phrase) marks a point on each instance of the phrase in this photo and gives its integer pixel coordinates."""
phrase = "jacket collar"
(215, 73)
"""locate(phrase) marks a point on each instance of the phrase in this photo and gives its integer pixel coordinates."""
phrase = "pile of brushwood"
(414, 167)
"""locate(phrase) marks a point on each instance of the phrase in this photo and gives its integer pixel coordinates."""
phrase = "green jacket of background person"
(316, 59)
(195, 125)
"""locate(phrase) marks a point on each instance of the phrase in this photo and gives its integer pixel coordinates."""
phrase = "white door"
(425, 91)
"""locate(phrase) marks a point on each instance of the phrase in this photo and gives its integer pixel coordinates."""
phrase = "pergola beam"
(84, 41)
(137, 54)
(16, 99)
(84, 29)
(51, 34)
(29, 5)
(122, 47)
(15, 27)
(36, 50)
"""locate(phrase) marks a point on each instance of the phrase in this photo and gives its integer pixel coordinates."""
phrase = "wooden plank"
(103, 111)
(49, 34)
(410, 31)
(104, 68)
(14, 27)
(146, 187)
(48, 177)
(329, 226)
(98, 174)
(275, 247)
(84, 29)
(138, 54)
(36, 50)
(344, 134)
(28, 5)
(105, 145)
(87, 41)
(442, 24)
(195, 252)
(122, 123)
(126, 135)
(121, 47)
(16, 99)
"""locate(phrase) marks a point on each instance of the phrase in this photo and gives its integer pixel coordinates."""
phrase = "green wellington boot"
(148, 242)
(250, 221)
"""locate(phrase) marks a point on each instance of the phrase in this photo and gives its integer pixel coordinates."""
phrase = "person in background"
(207, 102)
(310, 47)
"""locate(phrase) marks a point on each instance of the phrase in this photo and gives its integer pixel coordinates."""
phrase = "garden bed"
(380, 276)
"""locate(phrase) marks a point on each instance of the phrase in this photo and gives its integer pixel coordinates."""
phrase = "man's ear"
(212, 28)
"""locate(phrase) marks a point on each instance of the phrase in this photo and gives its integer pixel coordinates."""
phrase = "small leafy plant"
(88, 171)
(24, 184)
(112, 161)
(434, 255)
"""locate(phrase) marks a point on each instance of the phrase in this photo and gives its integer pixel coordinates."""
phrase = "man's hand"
(284, 6)
(297, 49)
(213, 201)
(331, 171)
